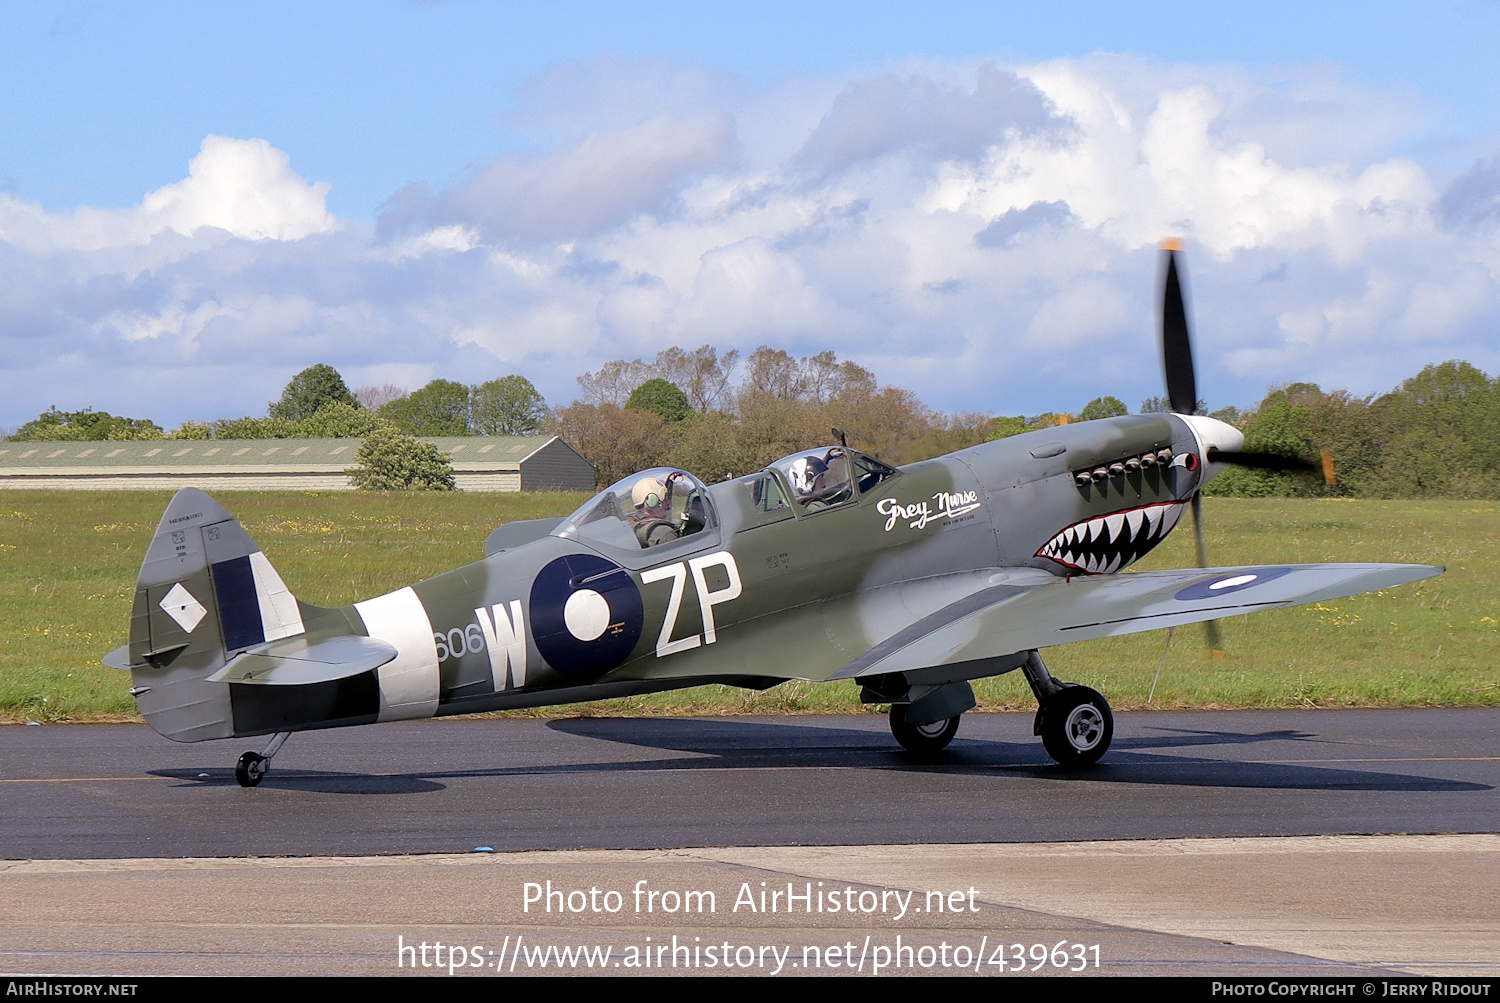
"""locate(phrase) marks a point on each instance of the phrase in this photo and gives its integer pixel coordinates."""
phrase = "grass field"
(68, 562)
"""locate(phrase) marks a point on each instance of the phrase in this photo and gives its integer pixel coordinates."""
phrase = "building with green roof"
(480, 463)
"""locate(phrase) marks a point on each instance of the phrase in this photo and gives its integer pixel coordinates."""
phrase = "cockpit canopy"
(649, 509)
(828, 476)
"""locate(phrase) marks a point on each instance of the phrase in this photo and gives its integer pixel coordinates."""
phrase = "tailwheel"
(251, 769)
(923, 739)
(1076, 726)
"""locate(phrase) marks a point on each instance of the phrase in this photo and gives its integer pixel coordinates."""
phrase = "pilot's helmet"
(648, 493)
(804, 474)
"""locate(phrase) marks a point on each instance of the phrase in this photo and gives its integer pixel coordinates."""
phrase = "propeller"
(1182, 395)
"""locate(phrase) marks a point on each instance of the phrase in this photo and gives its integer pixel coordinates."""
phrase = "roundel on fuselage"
(586, 615)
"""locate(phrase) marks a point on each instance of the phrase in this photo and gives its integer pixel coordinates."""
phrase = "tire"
(923, 739)
(1077, 726)
(250, 770)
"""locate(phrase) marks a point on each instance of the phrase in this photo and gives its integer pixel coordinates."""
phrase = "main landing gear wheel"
(923, 739)
(1077, 726)
(251, 769)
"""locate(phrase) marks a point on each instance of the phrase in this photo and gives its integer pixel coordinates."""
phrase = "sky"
(198, 200)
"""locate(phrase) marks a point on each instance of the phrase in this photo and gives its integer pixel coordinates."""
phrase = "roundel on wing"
(586, 615)
(1227, 583)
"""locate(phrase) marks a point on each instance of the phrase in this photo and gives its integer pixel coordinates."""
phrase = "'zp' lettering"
(707, 598)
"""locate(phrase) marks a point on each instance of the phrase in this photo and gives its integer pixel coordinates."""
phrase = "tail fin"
(205, 593)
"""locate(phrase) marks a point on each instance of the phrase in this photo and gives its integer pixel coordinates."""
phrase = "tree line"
(317, 404)
(1437, 435)
(719, 415)
(687, 409)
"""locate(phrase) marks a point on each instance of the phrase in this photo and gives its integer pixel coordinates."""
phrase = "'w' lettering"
(505, 638)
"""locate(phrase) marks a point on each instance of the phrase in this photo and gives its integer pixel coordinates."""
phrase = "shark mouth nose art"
(1107, 543)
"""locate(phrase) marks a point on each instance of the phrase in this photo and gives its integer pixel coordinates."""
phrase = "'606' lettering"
(501, 633)
(458, 642)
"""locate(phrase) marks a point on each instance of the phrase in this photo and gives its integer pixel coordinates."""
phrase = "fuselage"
(757, 596)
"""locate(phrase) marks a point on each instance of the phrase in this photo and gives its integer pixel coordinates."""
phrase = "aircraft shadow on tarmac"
(718, 744)
(322, 781)
(742, 745)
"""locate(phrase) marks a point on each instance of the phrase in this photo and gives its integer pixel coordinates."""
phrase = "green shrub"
(391, 460)
(85, 425)
(338, 421)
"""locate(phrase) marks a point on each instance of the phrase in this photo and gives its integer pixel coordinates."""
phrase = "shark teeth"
(1106, 543)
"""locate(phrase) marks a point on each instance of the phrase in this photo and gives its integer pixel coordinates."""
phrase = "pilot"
(809, 477)
(653, 510)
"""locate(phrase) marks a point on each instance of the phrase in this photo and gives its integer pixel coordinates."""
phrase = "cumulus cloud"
(891, 114)
(1141, 173)
(1014, 222)
(246, 188)
(601, 182)
(984, 235)
(1473, 199)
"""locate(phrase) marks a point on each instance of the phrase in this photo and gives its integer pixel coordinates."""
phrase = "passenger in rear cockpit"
(820, 479)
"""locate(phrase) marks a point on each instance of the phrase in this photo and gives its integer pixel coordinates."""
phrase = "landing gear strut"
(1074, 721)
(253, 767)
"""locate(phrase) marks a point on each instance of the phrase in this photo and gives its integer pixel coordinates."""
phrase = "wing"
(999, 621)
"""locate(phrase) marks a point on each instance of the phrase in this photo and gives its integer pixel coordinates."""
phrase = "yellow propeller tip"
(1218, 655)
(1329, 476)
(1171, 244)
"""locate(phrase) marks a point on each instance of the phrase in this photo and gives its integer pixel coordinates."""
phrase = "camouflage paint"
(755, 598)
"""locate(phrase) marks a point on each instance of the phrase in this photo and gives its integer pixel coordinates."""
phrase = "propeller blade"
(1264, 461)
(1211, 627)
(1182, 395)
(1176, 345)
